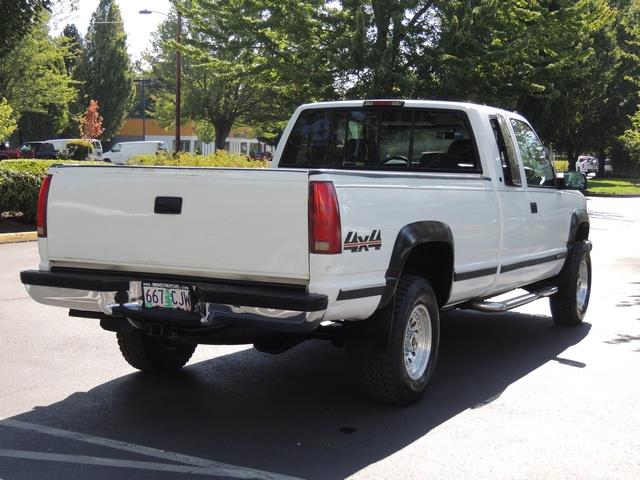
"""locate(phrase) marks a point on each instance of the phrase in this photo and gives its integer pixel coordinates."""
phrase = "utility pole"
(178, 77)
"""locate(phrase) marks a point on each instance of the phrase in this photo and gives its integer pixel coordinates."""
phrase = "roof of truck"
(466, 106)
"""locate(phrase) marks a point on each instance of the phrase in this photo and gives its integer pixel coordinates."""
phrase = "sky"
(138, 27)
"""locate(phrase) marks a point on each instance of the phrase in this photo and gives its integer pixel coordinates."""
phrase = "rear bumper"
(118, 294)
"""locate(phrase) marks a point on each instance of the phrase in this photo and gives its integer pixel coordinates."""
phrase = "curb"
(607, 195)
(18, 237)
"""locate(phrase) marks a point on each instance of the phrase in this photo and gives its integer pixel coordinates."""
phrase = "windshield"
(391, 139)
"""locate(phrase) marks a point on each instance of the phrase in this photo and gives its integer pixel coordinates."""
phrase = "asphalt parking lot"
(514, 396)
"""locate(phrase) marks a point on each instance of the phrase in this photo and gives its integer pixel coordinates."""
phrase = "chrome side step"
(496, 307)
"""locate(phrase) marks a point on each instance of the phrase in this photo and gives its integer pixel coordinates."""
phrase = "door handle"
(168, 205)
(534, 207)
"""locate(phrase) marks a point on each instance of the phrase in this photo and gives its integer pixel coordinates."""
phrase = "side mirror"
(574, 181)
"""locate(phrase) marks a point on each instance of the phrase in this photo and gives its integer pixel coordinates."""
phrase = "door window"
(537, 166)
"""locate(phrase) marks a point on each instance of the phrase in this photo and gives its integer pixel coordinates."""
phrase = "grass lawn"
(614, 186)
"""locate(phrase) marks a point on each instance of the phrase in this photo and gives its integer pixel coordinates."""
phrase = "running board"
(497, 307)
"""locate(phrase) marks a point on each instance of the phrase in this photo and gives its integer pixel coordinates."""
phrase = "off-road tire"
(566, 308)
(385, 375)
(153, 354)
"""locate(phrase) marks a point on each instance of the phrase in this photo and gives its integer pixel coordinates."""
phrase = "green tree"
(39, 90)
(18, 17)
(243, 60)
(561, 63)
(8, 123)
(631, 139)
(105, 68)
(74, 42)
(376, 43)
(204, 131)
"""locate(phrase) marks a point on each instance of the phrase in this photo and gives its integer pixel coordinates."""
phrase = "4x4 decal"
(358, 243)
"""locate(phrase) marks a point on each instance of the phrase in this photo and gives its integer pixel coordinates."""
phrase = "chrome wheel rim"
(582, 290)
(417, 342)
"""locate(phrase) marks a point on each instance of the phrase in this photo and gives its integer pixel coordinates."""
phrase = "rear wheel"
(400, 375)
(153, 354)
(569, 305)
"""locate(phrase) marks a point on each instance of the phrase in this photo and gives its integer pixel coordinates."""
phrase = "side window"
(115, 148)
(442, 141)
(537, 166)
(510, 168)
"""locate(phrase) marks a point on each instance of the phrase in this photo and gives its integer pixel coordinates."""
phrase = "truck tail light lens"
(42, 206)
(325, 232)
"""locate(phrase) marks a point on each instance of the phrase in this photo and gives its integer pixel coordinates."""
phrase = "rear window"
(389, 139)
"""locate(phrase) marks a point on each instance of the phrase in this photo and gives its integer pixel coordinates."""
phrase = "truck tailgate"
(238, 224)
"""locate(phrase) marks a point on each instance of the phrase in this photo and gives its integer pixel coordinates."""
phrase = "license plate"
(166, 295)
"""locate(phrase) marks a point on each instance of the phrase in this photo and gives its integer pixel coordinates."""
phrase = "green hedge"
(220, 158)
(39, 167)
(19, 193)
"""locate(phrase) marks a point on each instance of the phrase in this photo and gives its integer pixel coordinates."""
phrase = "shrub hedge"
(19, 192)
(561, 165)
(220, 158)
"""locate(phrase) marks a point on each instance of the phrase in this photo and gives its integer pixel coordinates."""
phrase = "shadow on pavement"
(304, 413)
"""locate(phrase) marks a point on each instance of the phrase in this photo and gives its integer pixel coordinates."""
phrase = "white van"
(60, 145)
(121, 152)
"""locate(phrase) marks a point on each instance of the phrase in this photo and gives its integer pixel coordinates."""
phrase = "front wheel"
(153, 354)
(400, 375)
(569, 305)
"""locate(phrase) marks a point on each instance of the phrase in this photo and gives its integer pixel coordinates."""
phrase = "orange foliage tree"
(91, 124)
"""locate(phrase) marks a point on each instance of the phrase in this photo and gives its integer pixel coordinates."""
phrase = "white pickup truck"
(376, 216)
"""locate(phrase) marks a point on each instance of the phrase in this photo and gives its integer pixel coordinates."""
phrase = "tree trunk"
(572, 156)
(222, 127)
(601, 156)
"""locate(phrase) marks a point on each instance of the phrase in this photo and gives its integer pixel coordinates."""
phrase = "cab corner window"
(537, 166)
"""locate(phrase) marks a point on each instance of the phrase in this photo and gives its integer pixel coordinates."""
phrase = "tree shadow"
(303, 413)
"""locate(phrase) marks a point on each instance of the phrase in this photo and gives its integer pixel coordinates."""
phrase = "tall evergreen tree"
(105, 67)
(74, 43)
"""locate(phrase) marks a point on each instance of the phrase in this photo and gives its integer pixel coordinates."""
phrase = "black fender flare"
(371, 337)
(578, 218)
(409, 237)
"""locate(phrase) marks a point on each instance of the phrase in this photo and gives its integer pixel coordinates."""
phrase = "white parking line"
(202, 466)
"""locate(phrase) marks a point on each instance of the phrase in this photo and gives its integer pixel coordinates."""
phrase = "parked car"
(121, 152)
(6, 152)
(60, 144)
(38, 150)
(587, 164)
(377, 216)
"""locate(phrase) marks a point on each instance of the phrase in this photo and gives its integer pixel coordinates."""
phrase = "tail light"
(42, 206)
(325, 233)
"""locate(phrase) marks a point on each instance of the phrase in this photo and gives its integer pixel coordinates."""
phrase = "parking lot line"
(196, 465)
